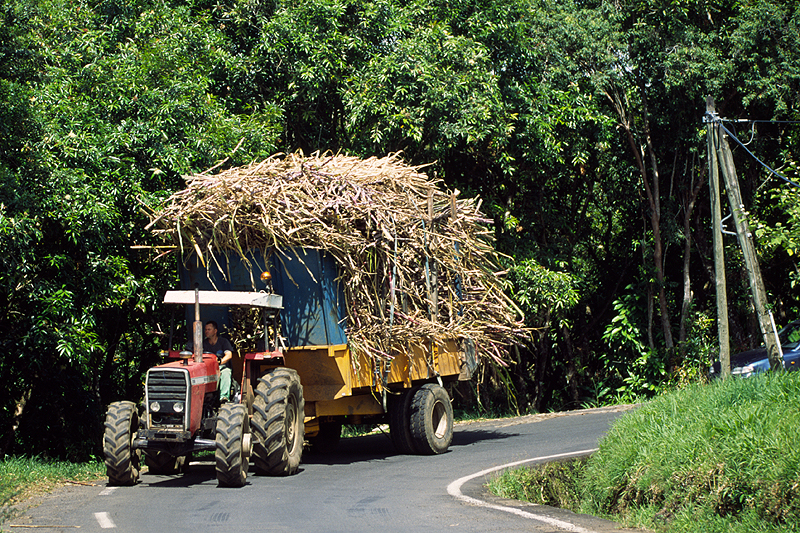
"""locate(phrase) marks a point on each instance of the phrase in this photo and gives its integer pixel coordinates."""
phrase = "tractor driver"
(215, 344)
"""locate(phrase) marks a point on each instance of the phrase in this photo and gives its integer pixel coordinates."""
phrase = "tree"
(112, 107)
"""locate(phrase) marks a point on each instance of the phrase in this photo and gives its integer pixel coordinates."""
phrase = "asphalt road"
(364, 487)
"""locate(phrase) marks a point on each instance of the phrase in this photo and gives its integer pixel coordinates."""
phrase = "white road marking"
(108, 491)
(454, 489)
(104, 520)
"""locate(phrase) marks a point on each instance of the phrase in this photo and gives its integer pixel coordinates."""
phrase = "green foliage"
(623, 334)
(542, 292)
(703, 455)
(710, 458)
(429, 85)
(642, 371)
(554, 484)
(104, 105)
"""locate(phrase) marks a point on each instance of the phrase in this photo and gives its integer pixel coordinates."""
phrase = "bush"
(718, 457)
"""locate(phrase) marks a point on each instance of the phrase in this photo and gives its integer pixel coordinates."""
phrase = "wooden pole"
(723, 333)
(748, 251)
(434, 290)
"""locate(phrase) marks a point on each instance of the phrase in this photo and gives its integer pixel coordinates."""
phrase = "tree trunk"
(5, 445)
(652, 194)
(688, 209)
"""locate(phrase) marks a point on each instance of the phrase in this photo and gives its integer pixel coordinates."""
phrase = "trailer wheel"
(122, 461)
(231, 454)
(278, 425)
(163, 463)
(400, 422)
(431, 419)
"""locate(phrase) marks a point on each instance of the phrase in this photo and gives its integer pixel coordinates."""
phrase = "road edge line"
(454, 489)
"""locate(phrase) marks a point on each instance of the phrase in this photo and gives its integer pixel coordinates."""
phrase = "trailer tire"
(431, 419)
(122, 461)
(278, 423)
(231, 454)
(400, 422)
(163, 463)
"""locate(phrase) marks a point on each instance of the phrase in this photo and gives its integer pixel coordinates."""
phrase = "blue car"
(753, 361)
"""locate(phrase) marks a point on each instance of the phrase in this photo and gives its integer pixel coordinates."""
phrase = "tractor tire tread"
(400, 422)
(277, 449)
(231, 462)
(122, 461)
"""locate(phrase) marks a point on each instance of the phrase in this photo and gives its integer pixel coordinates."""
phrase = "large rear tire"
(122, 461)
(431, 419)
(278, 426)
(231, 454)
(400, 422)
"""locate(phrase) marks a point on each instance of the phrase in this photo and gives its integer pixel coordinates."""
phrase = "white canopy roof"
(246, 299)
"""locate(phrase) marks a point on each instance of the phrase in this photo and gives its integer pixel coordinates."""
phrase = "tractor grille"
(168, 388)
(164, 385)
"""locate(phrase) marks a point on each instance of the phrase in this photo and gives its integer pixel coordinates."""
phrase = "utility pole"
(725, 158)
(750, 258)
(723, 332)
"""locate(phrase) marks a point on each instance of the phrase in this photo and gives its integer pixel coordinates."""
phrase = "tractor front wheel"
(232, 450)
(122, 461)
(278, 426)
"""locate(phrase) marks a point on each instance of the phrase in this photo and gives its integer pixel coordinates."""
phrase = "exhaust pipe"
(198, 328)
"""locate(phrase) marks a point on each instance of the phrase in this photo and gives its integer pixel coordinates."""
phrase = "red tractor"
(183, 413)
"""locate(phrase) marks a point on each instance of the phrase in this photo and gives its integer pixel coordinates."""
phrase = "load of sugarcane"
(417, 263)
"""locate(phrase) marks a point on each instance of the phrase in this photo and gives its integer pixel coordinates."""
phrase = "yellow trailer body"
(338, 382)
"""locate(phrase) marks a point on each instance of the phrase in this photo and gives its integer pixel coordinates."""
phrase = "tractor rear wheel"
(278, 425)
(400, 422)
(232, 450)
(431, 419)
(122, 461)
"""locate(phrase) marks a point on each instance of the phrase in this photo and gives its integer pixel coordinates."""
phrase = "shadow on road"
(352, 450)
(379, 447)
(197, 474)
(466, 437)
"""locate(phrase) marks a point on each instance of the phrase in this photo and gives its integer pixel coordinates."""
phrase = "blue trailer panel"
(313, 300)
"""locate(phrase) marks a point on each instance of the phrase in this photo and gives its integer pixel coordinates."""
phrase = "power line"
(769, 168)
(759, 121)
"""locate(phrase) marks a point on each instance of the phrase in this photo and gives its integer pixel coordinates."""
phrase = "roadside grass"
(24, 477)
(709, 458)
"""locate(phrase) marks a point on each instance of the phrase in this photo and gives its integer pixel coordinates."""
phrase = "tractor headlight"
(155, 407)
(178, 407)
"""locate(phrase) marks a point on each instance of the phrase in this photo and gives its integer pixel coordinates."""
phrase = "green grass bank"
(24, 477)
(723, 457)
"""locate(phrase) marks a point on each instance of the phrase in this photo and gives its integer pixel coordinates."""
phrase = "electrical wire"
(759, 121)
(770, 169)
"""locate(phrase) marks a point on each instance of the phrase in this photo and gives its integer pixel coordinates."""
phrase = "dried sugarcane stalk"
(378, 213)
